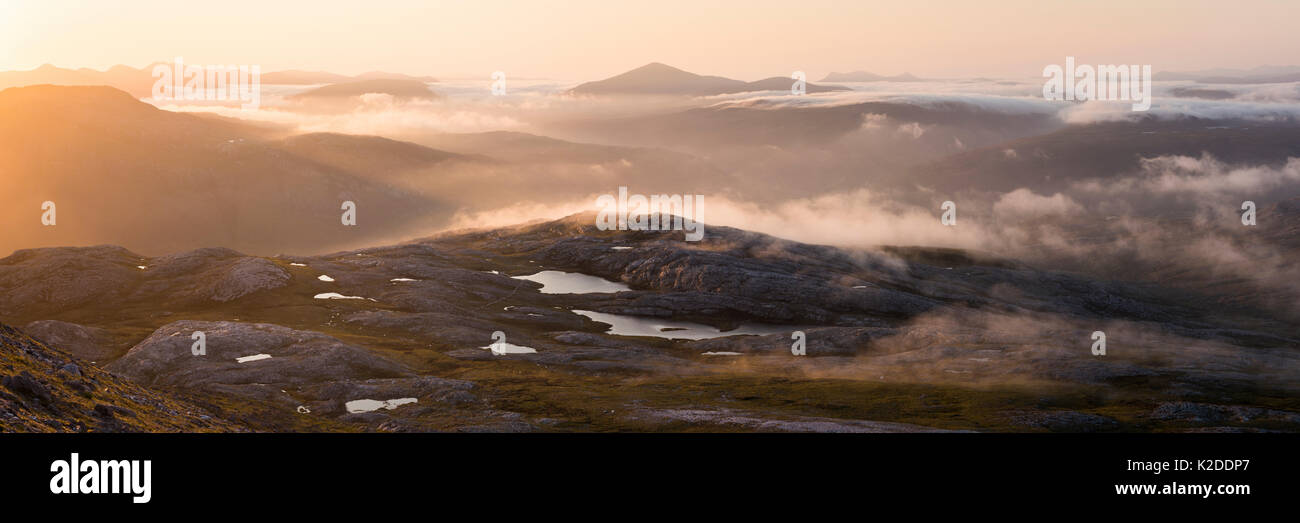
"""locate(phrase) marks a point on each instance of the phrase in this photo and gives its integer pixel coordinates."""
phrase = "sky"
(590, 39)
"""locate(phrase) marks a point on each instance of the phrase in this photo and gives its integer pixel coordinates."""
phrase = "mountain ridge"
(658, 79)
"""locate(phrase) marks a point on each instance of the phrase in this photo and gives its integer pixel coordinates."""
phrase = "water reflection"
(558, 282)
(670, 329)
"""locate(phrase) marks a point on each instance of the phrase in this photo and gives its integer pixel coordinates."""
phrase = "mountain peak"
(658, 67)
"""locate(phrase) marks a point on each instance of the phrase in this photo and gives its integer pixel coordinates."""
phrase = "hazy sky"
(587, 39)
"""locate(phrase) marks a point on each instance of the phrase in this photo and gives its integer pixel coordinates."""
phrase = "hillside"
(43, 389)
(182, 181)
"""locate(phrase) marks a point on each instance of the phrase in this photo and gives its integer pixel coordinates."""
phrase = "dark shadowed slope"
(123, 172)
(366, 155)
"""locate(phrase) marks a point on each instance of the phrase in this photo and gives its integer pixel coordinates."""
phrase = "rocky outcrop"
(62, 278)
(219, 275)
(52, 281)
(295, 357)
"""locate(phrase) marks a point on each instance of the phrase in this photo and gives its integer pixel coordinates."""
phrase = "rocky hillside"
(676, 336)
(46, 390)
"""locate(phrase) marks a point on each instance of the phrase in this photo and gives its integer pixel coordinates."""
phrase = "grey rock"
(165, 358)
(27, 386)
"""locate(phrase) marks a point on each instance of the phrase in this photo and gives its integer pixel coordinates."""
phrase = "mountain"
(138, 82)
(1260, 79)
(864, 76)
(295, 77)
(502, 168)
(656, 79)
(761, 123)
(381, 75)
(1052, 161)
(181, 181)
(370, 156)
(1255, 75)
(401, 89)
(1204, 94)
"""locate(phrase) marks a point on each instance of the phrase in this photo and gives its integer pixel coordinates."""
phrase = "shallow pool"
(356, 406)
(624, 325)
(558, 282)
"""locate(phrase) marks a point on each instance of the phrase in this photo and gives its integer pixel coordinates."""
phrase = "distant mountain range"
(1257, 75)
(197, 179)
(401, 89)
(657, 79)
(139, 82)
(1051, 162)
(295, 77)
(864, 76)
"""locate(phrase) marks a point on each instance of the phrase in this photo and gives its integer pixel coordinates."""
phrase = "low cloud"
(1024, 203)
